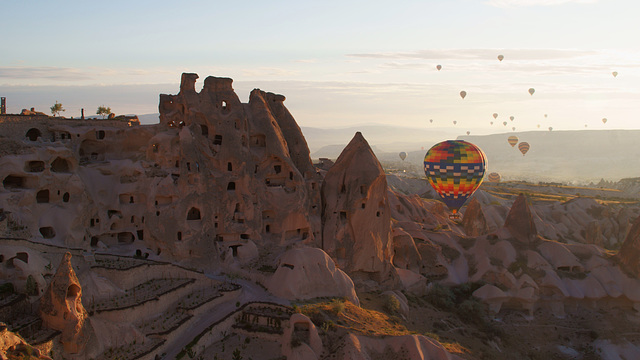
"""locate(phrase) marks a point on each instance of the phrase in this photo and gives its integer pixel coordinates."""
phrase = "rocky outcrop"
(519, 223)
(13, 346)
(356, 217)
(474, 222)
(629, 254)
(415, 347)
(300, 339)
(306, 273)
(61, 308)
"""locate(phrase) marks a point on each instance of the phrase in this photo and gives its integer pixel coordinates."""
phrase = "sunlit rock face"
(474, 222)
(61, 308)
(629, 254)
(520, 223)
(356, 215)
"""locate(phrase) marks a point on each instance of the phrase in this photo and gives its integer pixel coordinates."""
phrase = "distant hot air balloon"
(550, 128)
(455, 169)
(513, 128)
(531, 91)
(504, 123)
(545, 115)
(463, 94)
(523, 147)
(512, 140)
(615, 73)
(500, 57)
(438, 67)
(604, 120)
(403, 155)
(585, 125)
(495, 115)
(538, 126)
(511, 117)
(431, 120)
(455, 122)
(491, 123)
(422, 148)
(468, 132)
(493, 177)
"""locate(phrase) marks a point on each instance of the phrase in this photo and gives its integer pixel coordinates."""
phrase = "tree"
(103, 110)
(56, 109)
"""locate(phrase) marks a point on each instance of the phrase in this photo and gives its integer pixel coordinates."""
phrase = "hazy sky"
(339, 63)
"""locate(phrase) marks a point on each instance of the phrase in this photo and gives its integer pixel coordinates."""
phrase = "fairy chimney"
(520, 223)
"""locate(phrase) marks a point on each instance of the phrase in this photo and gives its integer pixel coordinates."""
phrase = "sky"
(339, 63)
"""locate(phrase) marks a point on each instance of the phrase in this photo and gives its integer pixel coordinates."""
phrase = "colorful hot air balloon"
(504, 123)
(531, 91)
(495, 115)
(545, 115)
(438, 67)
(604, 120)
(454, 122)
(491, 123)
(468, 132)
(538, 126)
(455, 169)
(615, 73)
(500, 57)
(431, 120)
(403, 155)
(523, 147)
(463, 94)
(493, 177)
(511, 117)
(550, 128)
(512, 140)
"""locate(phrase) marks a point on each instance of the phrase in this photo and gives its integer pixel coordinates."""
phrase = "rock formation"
(306, 273)
(520, 223)
(355, 215)
(474, 222)
(61, 308)
(303, 333)
(629, 254)
(14, 347)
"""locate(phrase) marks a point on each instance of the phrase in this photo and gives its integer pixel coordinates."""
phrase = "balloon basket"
(454, 217)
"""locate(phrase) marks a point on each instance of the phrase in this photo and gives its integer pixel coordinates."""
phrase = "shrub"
(391, 304)
(337, 306)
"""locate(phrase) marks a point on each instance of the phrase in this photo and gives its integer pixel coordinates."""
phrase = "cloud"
(479, 54)
(522, 3)
(267, 71)
(43, 72)
(306, 61)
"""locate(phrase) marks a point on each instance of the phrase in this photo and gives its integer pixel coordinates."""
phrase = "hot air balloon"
(455, 169)
(523, 147)
(550, 128)
(495, 115)
(538, 126)
(615, 73)
(438, 67)
(504, 123)
(585, 125)
(513, 128)
(431, 120)
(545, 115)
(604, 120)
(468, 132)
(491, 123)
(493, 177)
(531, 91)
(454, 122)
(403, 155)
(463, 94)
(512, 140)
(511, 117)
(500, 57)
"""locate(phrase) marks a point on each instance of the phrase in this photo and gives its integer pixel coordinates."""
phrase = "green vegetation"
(32, 286)
(56, 109)
(391, 304)
(104, 111)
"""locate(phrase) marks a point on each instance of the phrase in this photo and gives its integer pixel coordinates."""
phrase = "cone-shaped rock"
(474, 222)
(520, 221)
(629, 254)
(61, 307)
(356, 215)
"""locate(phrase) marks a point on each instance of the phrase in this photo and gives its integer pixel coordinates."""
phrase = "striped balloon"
(493, 177)
(455, 169)
(523, 147)
(513, 140)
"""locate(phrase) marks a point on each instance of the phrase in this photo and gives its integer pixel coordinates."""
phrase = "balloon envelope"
(550, 128)
(615, 73)
(604, 120)
(468, 132)
(455, 169)
(531, 91)
(493, 177)
(504, 123)
(430, 120)
(523, 147)
(511, 117)
(403, 155)
(512, 140)
(438, 67)
(454, 122)
(495, 115)
(513, 128)
(500, 57)
(463, 94)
